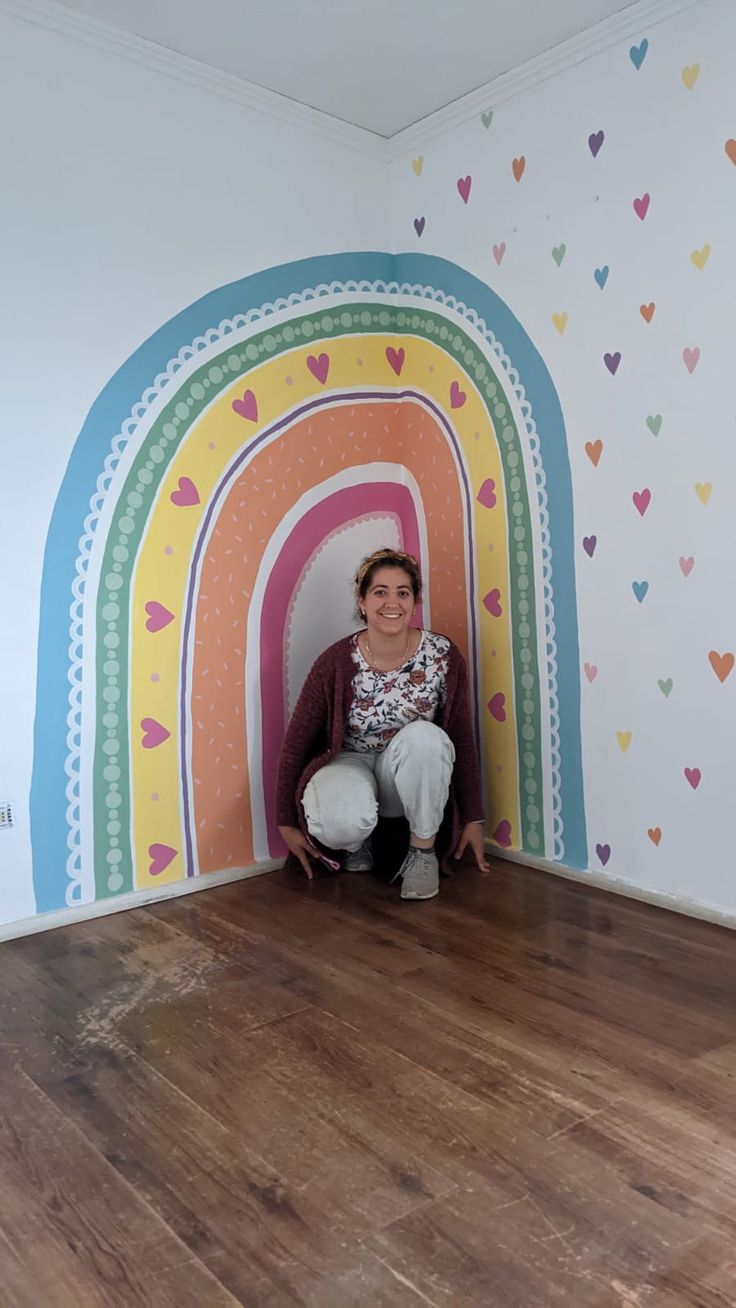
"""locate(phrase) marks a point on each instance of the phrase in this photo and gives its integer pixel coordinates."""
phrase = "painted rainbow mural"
(216, 503)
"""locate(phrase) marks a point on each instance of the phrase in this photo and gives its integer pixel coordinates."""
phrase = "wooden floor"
(520, 1094)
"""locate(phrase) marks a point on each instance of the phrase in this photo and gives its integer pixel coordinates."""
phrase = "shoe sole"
(431, 895)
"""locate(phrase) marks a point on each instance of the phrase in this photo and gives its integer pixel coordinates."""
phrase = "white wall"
(667, 139)
(126, 196)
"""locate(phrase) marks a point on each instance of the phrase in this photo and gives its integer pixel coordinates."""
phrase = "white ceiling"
(379, 64)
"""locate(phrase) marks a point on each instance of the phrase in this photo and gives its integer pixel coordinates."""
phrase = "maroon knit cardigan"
(317, 730)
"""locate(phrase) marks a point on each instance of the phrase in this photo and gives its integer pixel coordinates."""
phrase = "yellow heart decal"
(418, 164)
(690, 75)
(703, 490)
(624, 740)
(701, 257)
(560, 322)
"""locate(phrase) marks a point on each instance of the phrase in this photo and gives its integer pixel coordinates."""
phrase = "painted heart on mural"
(247, 407)
(319, 366)
(686, 565)
(638, 53)
(417, 164)
(691, 358)
(642, 499)
(492, 602)
(722, 664)
(463, 185)
(487, 494)
(601, 275)
(730, 148)
(594, 450)
(641, 205)
(186, 495)
(595, 141)
(690, 75)
(591, 671)
(558, 253)
(158, 616)
(612, 361)
(665, 685)
(701, 257)
(499, 251)
(560, 321)
(419, 224)
(647, 311)
(518, 166)
(654, 423)
(161, 856)
(693, 776)
(703, 491)
(502, 834)
(396, 358)
(640, 589)
(487, 117)
(497, 707)
(655, 834)
(457, 397)
(589, 544)
(154, 734)
(624, 740)
(604, 853)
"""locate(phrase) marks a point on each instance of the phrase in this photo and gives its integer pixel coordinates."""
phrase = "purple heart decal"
(612, 361)
(419, 225)
(604, 853)
(497, 707)
(589, 544)
(595, 141)
(502, 834)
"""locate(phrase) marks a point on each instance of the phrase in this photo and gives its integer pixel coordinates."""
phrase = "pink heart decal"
(247, 407)
(502, 834)
(463, 185)
(499, 251)
(642, 499)
(187, 495)
(487, 494)
(492, 602)
(396, 358)
(591, 671)
(641, 206)
(691, 358)
(687, 565)
(158, 616)
(457, 397)
(497, 707)
(692, 776)
(153, 733)
(160, 856)
(319, 367)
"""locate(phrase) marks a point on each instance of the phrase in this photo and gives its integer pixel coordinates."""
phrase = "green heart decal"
(666, 686)
(558, 253)
(487, 117)
(654, 423)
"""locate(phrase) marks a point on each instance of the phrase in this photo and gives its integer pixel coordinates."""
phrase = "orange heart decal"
(655, 834)
(647, 311)
(519, 164)
(722, 664)
(594, 450)
(730, 148)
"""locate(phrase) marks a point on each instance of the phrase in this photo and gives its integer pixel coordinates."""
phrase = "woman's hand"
(299, 846)
(472, 835)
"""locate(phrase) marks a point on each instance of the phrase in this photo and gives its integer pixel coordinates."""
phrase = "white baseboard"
(590, 877)
(62, 917)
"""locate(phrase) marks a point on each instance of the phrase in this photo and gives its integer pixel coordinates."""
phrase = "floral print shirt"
(384, 702)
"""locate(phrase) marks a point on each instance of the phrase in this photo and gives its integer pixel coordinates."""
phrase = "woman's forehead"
(390, 577)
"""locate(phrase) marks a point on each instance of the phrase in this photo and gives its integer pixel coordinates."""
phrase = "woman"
(383, 727)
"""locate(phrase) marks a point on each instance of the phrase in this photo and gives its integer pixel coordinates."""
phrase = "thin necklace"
(374, 665)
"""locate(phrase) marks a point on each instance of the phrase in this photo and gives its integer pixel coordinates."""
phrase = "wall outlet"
(6, 816)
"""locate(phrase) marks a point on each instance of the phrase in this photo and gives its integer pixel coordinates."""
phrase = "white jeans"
(410, 778)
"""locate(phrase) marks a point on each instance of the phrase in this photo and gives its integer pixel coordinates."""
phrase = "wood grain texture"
(517, 1095)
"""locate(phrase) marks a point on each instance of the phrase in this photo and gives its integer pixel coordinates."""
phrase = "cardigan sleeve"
(459, 727)
(305, 738)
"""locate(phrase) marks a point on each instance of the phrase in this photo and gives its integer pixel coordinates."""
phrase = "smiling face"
(389, 602)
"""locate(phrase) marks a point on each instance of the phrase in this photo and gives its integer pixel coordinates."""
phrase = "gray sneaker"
(360, 860)
(420, 874)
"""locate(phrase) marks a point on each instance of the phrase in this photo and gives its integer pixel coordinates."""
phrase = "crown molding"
(632, 21)
(103, 36)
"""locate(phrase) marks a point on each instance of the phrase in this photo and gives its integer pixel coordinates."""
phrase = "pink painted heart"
(591, 671)
(396, 358)
(497, 707)
(642, 499)
(247, 407)
(492, 602)
(641, 206)
(463, 185)
(612, 361)
(319, 366)
(691, 358)
(693, 776)
(187, 494)
(160, 856)
(419, 225)
(487, 494)
(499, 251)
(158, 616)
(457, 397)
(153, 733)
(502, 834)
(686, 565)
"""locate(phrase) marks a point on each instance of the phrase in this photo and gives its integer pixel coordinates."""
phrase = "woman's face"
(389, 602)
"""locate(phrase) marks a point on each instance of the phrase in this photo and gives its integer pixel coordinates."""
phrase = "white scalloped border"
(228, 328)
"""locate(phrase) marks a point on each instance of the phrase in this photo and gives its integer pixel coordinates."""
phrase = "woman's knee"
(340, 812)
(427, 737)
